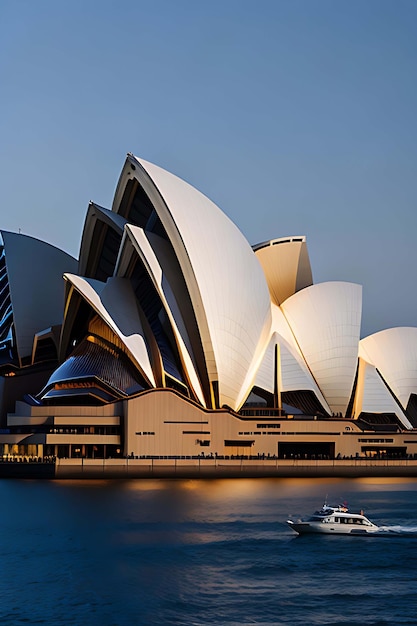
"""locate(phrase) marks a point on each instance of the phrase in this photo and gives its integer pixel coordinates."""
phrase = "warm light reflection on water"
(190, 552)
(387, 483)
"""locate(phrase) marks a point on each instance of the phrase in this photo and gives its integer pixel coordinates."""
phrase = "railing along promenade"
(206, 467)
(236, 467)
(18, 466)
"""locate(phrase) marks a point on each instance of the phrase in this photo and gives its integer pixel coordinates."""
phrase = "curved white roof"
(394, 353)
(295, 374)
(34, 274)
(286, 266)
(373, 396)
(325, 319)
(114, 301)
(148, 248)
(224, 279)
(96, 213)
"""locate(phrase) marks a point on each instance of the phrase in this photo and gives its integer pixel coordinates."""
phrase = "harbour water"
(191, 552)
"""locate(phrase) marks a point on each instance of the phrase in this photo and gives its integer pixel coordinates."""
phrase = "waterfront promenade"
(235, 468)
(200, 467)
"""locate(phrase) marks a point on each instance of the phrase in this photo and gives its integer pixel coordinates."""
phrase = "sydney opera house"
(172, 336)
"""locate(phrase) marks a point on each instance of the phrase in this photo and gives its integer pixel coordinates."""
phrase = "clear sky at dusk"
(297, 117)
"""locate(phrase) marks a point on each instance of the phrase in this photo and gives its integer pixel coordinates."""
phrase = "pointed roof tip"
(130, 158)
(91, 203)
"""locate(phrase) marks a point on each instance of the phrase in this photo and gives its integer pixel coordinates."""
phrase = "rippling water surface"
(203, 552)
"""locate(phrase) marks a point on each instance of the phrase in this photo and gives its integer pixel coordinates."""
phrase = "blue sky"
(297, 117)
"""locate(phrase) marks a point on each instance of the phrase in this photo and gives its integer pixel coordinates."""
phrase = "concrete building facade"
(173, 336)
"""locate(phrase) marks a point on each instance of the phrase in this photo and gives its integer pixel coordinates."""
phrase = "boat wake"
(399, 530)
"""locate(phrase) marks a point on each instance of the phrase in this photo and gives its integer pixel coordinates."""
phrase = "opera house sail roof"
(31, 294)
(168, 293)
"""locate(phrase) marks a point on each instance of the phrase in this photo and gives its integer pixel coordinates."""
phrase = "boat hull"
(310, 528)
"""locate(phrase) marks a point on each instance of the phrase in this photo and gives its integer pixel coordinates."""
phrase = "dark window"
(238, 442)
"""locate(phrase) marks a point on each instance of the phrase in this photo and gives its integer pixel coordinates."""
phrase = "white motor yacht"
(334, 520)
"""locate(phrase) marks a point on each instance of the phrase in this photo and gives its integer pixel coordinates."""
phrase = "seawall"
(236, 468)
(209, 468)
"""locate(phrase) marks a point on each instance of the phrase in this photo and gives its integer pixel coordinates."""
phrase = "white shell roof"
(295, 374)
(145, 248)
(372, 395)
(226, 284)
(115, 303)
(325, 318)
(286, 266)
(394, 353)
(34, 274)
(94, 213)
